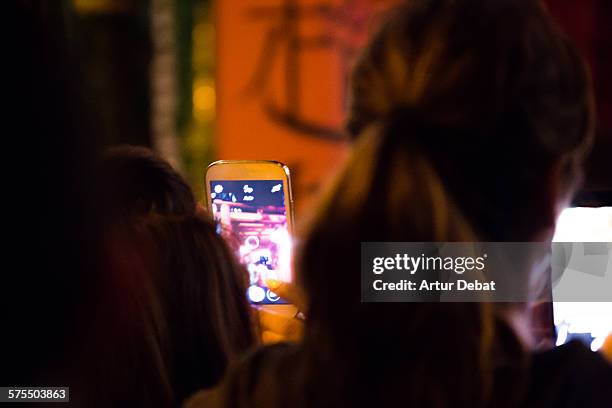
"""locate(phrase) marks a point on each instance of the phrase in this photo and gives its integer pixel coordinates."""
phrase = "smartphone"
(252, 205)
(589, 322)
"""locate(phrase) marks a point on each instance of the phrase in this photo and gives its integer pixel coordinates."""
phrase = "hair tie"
(407, 126)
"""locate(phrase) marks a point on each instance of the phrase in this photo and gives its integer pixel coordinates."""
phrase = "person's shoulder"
(261, 363)
(570, 375)
(251, 379)
(205, 399)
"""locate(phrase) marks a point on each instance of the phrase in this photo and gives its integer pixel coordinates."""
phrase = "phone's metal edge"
(292, 209)
(281, 164)
(274, 162)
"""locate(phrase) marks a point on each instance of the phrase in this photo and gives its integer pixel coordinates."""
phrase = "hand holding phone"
(252, 205)
(288, 325)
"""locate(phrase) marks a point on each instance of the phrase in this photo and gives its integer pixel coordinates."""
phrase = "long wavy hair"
(171, 310)
(464, 113)
(171, 315)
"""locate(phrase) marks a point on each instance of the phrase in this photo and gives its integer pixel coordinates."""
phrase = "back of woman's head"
(202, 292)
(179, 311)
(471, 119)
(172, 306)
(509, 84)
(135, 181)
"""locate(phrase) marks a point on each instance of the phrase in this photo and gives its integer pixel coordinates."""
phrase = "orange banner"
(282, 70)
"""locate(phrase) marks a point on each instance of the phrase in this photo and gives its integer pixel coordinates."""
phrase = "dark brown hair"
(462, 112)
(173, 313)
(504, 74)
(135, 181)
(171, 304)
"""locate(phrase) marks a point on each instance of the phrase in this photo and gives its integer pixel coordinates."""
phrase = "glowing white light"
(597, 343)
(252, 242)
(595, 318)
(281, 238)
(562, 335)
(272, 297)
(233, 198)
(276, 188)
(247, 189)
(213, 195)
(248, 198)
(256, 294)
(580, 224)
(253, 276)
(218, 188)
(214, 208)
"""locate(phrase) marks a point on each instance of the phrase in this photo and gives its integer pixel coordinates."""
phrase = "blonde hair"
(459, 111)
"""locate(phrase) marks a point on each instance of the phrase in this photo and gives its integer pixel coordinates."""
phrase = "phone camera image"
(252, 217)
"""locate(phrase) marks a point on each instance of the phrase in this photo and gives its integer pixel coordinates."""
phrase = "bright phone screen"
(589, 322)
(252, 217)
